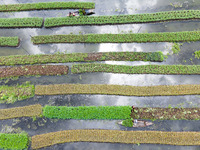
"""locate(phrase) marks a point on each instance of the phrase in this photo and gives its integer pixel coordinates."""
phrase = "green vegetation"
(21, 22)
(10, 94)
(128, 122)
(184, 36)
(80, 57)
(197, 54)
(14, 141)
(9, 72)
(46, 6)
(166, 113)
(123, 19)
(115, 136)
(9, 41)
(176, 48)
(87, 112)
(144, 69)
(161, 90)
(26, 111)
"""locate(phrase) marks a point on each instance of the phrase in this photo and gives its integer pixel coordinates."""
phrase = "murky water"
(103, 7)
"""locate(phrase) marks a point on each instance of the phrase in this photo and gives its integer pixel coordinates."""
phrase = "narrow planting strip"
(126, 90)
(14, 141)
(87, 112)
(8, 72)
(21, 22)
(9, 41)
(47, 6)
(80, 57)
(123, 19)
(25, 111)
(10, 94)
(144, 69)
(115, 136)
(119, 38)
(166, 113)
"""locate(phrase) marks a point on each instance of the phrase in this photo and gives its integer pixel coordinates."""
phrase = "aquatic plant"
(10, 94)
(123, 19)
(80, 57)
(176, 48)
(14, 141)
(128, 122)
(25, 111)
(184, 36)
(197, 54)
(115, 136)
(46, 6)
(104, 89)
(9, 41)
(87, 112)
(8, 72)
(143, 69)
(21, 22)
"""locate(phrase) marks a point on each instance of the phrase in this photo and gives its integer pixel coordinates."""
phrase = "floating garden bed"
(14, 141)
(9, 41)
(103, 89)
(46, 6)
(166, 113)
(123, 19)
(25, 111)
(87, 112)
(81, 57)
(35, 70)
(10, 94)
(115, 136)
(184, 36)
(21, 22)
(144, 69)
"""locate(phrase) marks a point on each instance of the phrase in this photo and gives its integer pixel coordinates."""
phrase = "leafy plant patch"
(197, 54)
(144, 69)
(184, 36)
(9, 41)
(123, 19)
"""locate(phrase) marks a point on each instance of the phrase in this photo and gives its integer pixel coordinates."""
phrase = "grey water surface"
(106, 7)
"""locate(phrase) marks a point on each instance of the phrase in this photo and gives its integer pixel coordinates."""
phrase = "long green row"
(87, 112)
(123, 19)
(143, 69)
(46, 6)
(14, 141)
(9, 41)
(21, 22)
(184, 36)
(80, 57)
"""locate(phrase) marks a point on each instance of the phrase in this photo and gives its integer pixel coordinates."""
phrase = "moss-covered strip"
(119, 38)
(166, 113)
(25, 111)
(144, 69)
(46, 6)
(14, 141)
(8, 72)
(116, 136)
(122, 19)
(10, 94)
(161, 90)
(9, 41)
(87, 112)
(80, 57)
(21, 22)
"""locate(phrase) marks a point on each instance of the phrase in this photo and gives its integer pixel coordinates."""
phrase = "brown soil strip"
(33, 70)
(115, 136)
(166, 113)
(26, 111)
(161, 90)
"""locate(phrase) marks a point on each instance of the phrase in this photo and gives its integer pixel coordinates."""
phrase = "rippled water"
(103, 7)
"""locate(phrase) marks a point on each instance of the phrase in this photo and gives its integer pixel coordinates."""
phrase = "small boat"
(139, 123)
